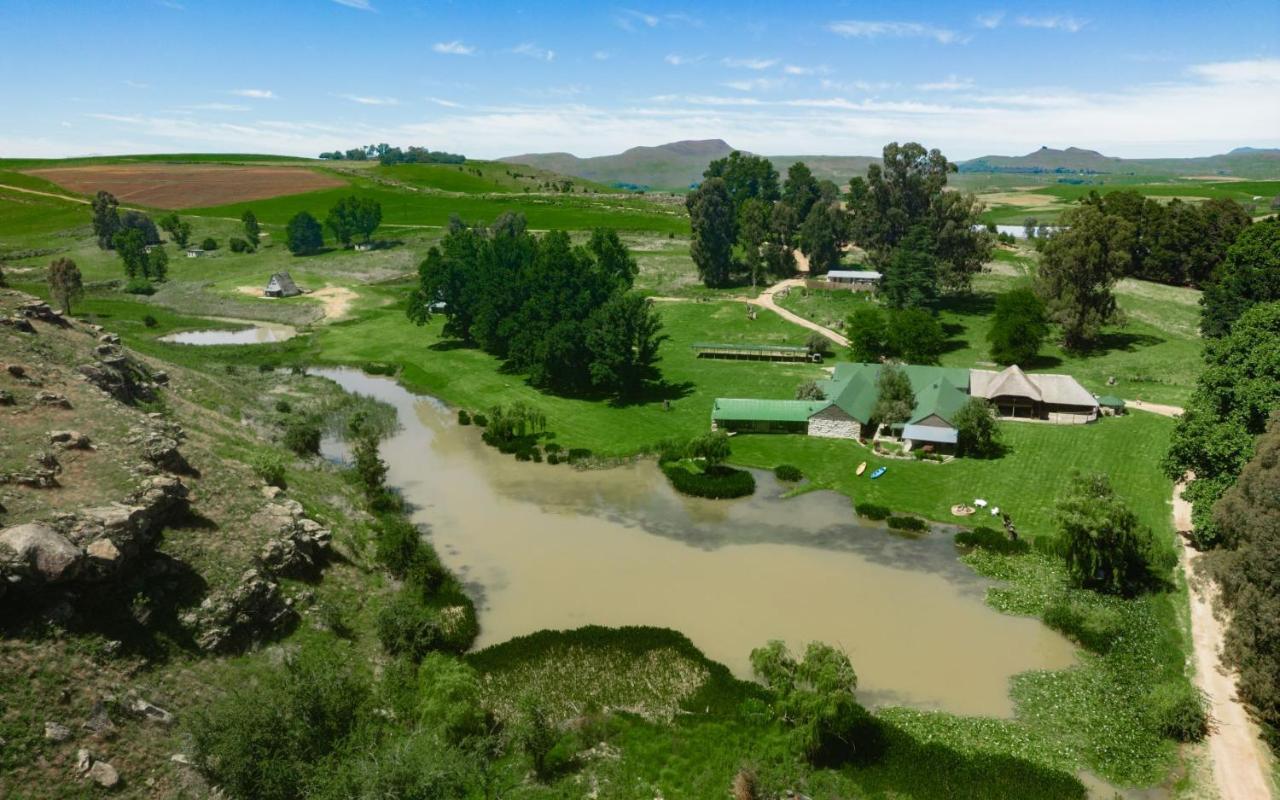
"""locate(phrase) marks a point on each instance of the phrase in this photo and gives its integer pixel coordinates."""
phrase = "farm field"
(1011, 202)
(177, 186)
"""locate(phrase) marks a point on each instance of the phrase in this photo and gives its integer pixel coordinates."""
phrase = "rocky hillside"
(138, 546)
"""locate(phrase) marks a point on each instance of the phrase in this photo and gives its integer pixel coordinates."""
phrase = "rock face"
(93, 544)
(300, 545)
(252, 611)
(162, 451)
(56, 732)
(121, 377)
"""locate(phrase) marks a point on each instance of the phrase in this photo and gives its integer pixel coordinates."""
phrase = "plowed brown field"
(188, 185)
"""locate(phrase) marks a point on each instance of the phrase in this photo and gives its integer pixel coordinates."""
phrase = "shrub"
(378, 368)
(269, 468)
(787, 472)
(463, 417)
(479, 420)
(209, 243)
(537, 455)
(284, 406)
(872, 511)
(409, 627)
(1096, 625)
(239, 245)
(150, 321)
(993, 540)
(139, 286)
(714, 483)
(553, 458)
(302, 436)
(908, 524)
(1178, 711)
(552, 447)
(397, 543)
(577, 454)
(424, 570)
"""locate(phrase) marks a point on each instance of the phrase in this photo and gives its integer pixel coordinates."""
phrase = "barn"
(281, 285)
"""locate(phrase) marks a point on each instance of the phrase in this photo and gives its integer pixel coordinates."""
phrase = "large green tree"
(711, 217)
(977, 433)
(1105, 546)
(753, 236)
(823, 236)
(354, 216)
(1234, 395)
(961, 250)
(252, 230)
(65, 283)
(1019, 327)
(914, 335)
(867, 332)
(106, 219)
(303, 234)
(895, 398)
(623, 337)
(1249, 274)
(745, 176)
(179, 230)
(131, 246)
(1079, 268)
(800, 190)
(911, 274)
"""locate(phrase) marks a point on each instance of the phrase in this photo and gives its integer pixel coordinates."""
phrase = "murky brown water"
(260, 333)
(551, 547)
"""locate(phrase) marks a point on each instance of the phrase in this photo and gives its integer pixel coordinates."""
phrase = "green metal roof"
(939, 398)
(1110, 401)
(746, 410)
(749, 348)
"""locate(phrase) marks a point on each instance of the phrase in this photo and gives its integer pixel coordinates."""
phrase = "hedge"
(787, 472)
(714, 483)
(872, 511)
(908, 524)
(993, 540)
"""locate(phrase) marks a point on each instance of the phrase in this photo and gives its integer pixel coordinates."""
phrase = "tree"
(753, 234)
(1249, 274)
(157, 265)
(867, 333)
(911, 275)
(711, 217)
(895, 398)
(1105, 547)
(1019, 327)
(815, 698)
(800, 190)
(65, 284)
(369, 467)
(623, 337)
(137, 220)
(810, 390)
(745, 177)
(106, 219)
(977, 434)
(1234, 395)
(179, 230)
(915, 336)
(823, 236)
(303, 235)
(352, 216)
(1248, 515)
(132, 249)
(1078, 270)
(960, 250)
(612, 257)
(252, 230)
(713, 448)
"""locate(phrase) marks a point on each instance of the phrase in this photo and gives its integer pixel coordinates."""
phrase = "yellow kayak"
(861, 468)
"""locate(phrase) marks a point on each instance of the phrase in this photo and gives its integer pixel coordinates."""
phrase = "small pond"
(256, 333)
(543, 546)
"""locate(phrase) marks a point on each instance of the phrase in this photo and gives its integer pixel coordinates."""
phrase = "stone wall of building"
(832, 423)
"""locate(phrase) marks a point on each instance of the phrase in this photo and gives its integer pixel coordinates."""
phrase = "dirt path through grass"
(765, 300)
(1239, 767)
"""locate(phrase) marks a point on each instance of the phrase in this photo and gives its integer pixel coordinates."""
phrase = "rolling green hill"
(1243, 162)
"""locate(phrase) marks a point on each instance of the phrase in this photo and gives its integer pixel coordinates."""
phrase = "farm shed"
(755, 352)
(1111, 405)
(281, 285)
(764, 416)
(194, 252)
(855, 279)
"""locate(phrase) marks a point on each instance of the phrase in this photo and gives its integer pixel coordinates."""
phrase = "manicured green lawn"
(1025, 482)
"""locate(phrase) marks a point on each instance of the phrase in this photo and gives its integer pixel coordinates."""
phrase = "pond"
(256, 333)
(544, 546)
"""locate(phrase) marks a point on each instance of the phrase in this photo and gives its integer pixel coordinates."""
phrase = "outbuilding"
(855, 279)
(281, 285)
(194, 252)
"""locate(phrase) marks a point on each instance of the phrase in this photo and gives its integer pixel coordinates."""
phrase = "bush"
(239, 245)
(714, 483)
(397, 543)
(552, 447)
(209, 243)
(409, 627)
(577, 454)
(284, 406)
(378, 368)
(993, 540)
(553, 458)
(139, 286)
(479, 420)
(908, 524)
(1096, 625)
(150, 321)
(463, 417)
(872, 511)
(1178, 711)
(787, 472)
(302, 436)
(269, 467)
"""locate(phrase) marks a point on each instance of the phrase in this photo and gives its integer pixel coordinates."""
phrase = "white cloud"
(533, 51)
(677, 60)
(256, 94)
(359, 5)
(756, 84)
(454, 48)
(951, 83)
(136, 84)
(1257, 71)
(795, 69)
(601, 55)
(630, 19)
(856, 85)
(446, 103)
(749, 63)
(869, 29)
(990, 20)
(1054, 22)
(365, 100)
(214, 107)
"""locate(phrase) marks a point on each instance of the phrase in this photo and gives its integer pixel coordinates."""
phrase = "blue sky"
(1142, 78)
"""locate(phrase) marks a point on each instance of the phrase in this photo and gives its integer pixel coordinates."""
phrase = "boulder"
(163, 452)
(56, 732)
(18, 324)
(84, 760)
(39, 552)
(99, 722)
(254, 610)
(53, 400)
(150, 712)
(16, 370)
(72, 440)
(104, 775)
(109, 338)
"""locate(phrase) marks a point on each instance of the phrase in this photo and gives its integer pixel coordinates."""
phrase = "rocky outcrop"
(93, 544)
(253, 611)
(119, 376)
(299, 546)
(38, 309)
(162, 452)
(70, 440)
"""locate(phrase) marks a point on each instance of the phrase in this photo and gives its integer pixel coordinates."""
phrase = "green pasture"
(480, 177)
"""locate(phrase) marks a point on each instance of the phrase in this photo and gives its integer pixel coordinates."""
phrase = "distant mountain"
(678, 165)
(1242, 162)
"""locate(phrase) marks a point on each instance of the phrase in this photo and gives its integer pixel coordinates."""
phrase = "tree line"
(387, 155)
(562, 314)
(351, 217)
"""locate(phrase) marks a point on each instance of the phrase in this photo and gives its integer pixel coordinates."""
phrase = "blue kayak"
(879, 471)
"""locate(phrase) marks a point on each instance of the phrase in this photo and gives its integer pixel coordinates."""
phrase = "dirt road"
(765, 300)
(1155, 408)
(1240, 769)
